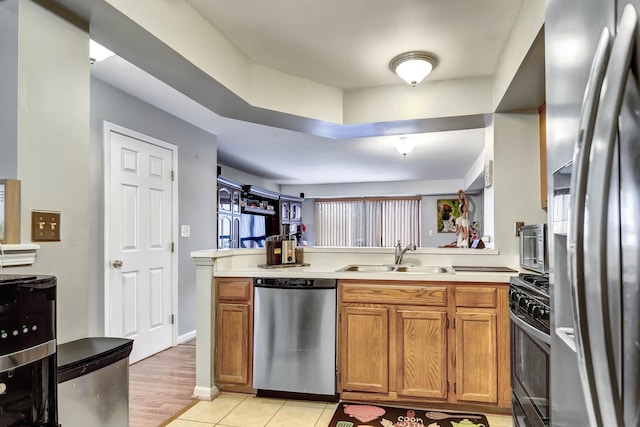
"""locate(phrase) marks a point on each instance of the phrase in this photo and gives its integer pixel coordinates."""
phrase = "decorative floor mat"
(354, 415)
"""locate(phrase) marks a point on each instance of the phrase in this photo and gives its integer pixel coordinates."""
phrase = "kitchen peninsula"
(427, 336)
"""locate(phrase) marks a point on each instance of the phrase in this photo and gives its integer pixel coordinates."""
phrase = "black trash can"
(93, 382)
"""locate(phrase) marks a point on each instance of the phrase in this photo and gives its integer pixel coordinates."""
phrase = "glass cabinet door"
(224, 232)
(235, 237)
(296, 212)
(224, 199)
(284, 212)
(235, 201)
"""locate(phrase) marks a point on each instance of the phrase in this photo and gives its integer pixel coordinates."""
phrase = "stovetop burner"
(540, 281)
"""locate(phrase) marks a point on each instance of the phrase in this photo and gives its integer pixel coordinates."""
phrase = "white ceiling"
(346, 44)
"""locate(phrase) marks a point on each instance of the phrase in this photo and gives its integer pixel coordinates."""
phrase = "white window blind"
(367, 222)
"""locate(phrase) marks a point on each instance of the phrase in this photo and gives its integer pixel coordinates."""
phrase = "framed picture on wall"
(9, 211)
(448, 211)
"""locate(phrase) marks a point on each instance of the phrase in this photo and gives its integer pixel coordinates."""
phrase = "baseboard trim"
(205, 393)
(186, 337)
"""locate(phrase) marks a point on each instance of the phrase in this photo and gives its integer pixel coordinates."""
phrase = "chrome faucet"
(400, 252)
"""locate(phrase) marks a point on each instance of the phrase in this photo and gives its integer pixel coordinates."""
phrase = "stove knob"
(544, 315)
(522, 301)
(536, 312)
(531, 306)
(513, 295)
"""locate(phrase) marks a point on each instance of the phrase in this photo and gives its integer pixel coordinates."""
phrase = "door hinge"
(447, 323)
(454, 323)
(454, 388)
(173, 247)
(172, 319)
(447, 386)
(173, 175)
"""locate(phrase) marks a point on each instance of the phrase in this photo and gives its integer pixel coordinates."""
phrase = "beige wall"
(530, 21)
(516, 173)
(53, 153)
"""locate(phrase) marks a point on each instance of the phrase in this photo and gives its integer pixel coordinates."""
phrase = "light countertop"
(325, 263)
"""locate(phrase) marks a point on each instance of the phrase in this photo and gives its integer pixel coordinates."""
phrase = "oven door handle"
(575, 236)
(530, 330)
(608, 403)
(23, 357)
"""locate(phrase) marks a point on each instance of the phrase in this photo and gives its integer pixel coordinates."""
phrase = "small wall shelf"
(18, 254)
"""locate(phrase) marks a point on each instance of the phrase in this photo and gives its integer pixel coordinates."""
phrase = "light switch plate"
(185, 231)
(45, 226)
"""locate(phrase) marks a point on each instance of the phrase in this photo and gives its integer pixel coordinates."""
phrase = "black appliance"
(28, 368)
(530, 349)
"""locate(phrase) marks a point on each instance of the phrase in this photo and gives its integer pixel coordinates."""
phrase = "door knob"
(117, 264)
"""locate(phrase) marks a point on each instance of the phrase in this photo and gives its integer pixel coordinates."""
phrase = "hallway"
(162, 385)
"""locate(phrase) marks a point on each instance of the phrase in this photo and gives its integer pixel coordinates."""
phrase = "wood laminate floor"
(161, 385)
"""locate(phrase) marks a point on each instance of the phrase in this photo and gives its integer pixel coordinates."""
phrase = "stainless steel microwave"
(533, 248)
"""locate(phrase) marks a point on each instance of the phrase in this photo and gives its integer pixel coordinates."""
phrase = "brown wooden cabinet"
(476, 356)
(234, 334)
(476, 344)
(393, 341)
(421, 352)
(364, 334)
(424, 341)
(542, 114)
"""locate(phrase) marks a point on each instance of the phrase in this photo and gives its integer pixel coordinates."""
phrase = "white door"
(140, 209)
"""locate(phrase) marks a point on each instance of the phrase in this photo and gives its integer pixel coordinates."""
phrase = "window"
(374, 222)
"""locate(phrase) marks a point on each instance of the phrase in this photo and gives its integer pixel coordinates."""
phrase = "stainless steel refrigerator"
(593, 118)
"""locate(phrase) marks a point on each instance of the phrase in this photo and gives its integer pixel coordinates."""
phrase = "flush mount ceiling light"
(414, 66)
(404, 145)
(97, 52)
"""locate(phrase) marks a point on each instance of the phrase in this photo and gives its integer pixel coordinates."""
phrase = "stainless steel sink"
(425, 269)
(404, 268)
(368, 268)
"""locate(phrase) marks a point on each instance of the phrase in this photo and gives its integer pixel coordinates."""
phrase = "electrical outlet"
(518, 226)
(45, 226)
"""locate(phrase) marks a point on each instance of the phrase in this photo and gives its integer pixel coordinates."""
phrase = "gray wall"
(197, 161)
(430, 221)
(52, 111)
(8, 89)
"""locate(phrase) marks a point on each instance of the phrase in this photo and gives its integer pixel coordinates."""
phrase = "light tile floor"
(234, 410)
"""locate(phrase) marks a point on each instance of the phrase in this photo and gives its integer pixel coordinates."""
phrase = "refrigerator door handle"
(609, 403)
(576, 220)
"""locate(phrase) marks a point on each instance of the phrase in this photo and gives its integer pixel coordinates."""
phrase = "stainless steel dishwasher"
(295, 335)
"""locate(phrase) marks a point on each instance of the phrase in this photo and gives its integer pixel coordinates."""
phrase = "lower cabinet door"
(232, 356)
(421, 349)
(476, 356)
(364, 347)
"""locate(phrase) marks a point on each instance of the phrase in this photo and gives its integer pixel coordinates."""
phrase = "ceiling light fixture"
(404, 146)
(97, 52)
(414, 66)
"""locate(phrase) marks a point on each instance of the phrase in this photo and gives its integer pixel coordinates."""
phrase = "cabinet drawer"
(394, 294)
(234, 289)
(476, 297)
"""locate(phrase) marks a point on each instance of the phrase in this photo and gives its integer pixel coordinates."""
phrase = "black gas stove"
(529, 298)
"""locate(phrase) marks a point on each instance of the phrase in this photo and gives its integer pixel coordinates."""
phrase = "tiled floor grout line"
(275, 413)
(289, 404)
